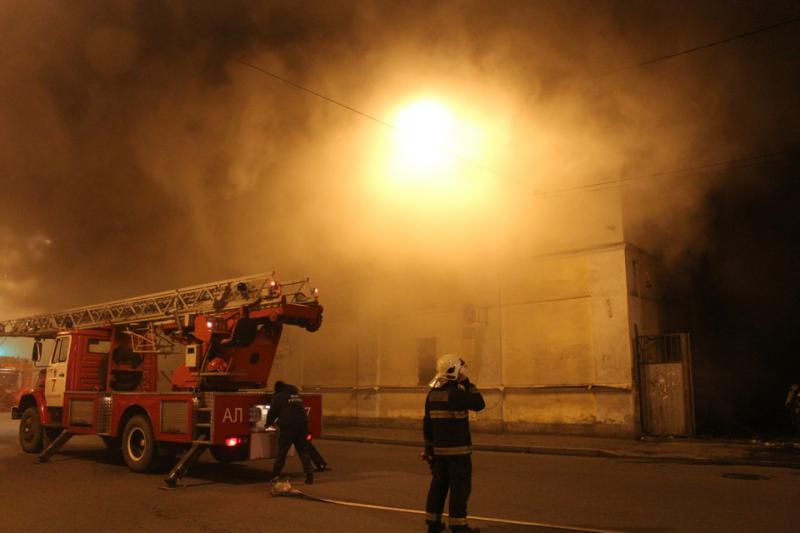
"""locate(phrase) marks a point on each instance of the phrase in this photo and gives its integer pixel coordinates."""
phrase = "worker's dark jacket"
(287, 407)
(446, 422)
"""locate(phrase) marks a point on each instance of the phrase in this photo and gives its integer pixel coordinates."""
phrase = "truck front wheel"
(31, 432)
(138, 444)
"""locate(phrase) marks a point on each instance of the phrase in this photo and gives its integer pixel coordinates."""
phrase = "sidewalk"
(699, 451)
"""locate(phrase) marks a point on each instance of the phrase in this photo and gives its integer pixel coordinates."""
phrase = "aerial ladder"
(174, 372)
(261, 290)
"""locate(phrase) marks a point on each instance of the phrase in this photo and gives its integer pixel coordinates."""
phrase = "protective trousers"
(288, 435)
(451, 473)
(315, 456)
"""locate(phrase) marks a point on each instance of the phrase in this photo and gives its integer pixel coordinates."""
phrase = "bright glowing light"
(431, 144)
(233, 441)
(442, 160)
(426, 129)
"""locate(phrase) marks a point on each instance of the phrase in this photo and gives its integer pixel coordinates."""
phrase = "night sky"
(141, 150)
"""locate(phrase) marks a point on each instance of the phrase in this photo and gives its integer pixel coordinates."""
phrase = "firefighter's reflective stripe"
(439, 396)
(456, 521)
(433, 517)
(449, 414)
(454, 450)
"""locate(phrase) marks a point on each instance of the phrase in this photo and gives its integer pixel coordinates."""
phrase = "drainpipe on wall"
(358, 370)
(635, 384)
(502, 385)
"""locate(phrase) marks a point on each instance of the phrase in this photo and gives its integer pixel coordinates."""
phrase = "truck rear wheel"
(138, 444)
(31, 432)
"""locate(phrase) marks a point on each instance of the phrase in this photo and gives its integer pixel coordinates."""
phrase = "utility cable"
(303, 88)
(722, 165)
(352, 109)
(701, 47)
(382, 122)
(593, 186)
(730, 164)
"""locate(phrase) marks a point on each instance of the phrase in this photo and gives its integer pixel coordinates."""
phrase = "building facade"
(550, 336)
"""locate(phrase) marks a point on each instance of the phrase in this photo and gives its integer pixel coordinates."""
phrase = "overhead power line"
(724, 165)
(352, 109)
(333, 101)
(702, 46)
(730, 164)
(303, 88)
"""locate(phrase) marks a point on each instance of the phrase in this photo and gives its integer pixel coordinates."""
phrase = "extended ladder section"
(255, 292)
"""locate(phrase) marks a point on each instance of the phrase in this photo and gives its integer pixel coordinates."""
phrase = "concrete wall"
(547, 331)
(546, 338)
(566, 352)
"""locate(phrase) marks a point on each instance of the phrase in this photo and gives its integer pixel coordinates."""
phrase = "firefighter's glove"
(426, 456)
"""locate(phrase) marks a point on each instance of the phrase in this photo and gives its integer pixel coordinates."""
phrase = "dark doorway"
(426, 359)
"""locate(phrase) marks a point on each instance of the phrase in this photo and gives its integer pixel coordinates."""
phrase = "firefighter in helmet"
(448, 445)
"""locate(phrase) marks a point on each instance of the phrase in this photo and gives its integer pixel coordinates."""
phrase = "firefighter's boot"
(435, 527)
(309, 479)
(465, 529)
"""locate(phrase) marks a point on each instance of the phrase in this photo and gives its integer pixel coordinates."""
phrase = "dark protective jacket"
(287, 407)
(446, 422)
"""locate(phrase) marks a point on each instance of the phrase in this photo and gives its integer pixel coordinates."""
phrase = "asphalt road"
(82, 489)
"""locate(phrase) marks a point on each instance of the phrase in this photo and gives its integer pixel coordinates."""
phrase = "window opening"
(99, 346)
(63, 349)
(56, 351)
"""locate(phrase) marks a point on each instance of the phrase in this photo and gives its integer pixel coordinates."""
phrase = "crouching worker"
(287, 407)
(448, 445)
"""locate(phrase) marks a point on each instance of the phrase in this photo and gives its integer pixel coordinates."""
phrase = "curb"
(583, 452)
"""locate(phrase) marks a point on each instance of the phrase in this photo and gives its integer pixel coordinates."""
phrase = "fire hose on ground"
(283, 488)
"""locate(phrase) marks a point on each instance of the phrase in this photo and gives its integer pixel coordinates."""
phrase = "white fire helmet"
(449, 366)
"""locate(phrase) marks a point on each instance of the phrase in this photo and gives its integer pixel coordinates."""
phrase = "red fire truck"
(167, 374)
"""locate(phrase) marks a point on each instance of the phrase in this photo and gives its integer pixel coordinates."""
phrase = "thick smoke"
(138, 153)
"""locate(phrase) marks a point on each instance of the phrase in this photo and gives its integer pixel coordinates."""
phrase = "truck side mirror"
(36, 353)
